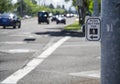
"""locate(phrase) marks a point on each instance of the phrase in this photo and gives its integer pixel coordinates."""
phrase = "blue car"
(43, 17)
(10, 19)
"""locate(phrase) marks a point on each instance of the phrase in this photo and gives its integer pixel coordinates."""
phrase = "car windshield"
(43, 14)
(7, 15)
(60, 16)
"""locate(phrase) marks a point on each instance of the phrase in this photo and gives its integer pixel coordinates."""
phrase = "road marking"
(15, 77)
(12, 51)
(95, 74)
(19, 51)
(13, 42)
(49, 44)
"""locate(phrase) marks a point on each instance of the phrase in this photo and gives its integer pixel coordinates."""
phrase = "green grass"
(74, 26)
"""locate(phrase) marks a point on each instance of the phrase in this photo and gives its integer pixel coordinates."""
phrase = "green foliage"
(29, 7)
(74, 3)
(91, 6)
(74, 26)
(58, 11)
(51, 6)
(6, 5)
(67, 0)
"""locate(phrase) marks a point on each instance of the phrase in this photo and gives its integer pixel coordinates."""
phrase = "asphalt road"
(46, 54)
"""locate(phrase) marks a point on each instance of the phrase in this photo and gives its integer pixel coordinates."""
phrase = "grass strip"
(74, 26)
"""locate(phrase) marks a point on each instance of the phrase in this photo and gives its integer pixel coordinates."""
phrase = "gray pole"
(110, 42)
(96, 8)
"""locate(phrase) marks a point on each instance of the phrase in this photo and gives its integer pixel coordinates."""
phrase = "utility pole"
(96, 8)
(110, 42)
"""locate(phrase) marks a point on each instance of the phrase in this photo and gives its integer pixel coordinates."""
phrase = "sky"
(54, 2)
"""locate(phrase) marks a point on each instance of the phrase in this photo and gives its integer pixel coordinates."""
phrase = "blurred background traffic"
(57, 11)
(29, 8)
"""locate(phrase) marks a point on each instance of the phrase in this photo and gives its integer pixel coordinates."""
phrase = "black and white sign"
(93, 29)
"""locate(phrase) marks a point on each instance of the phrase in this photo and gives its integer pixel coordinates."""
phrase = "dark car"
(53, 18)
(9, 19)
(60, 19)
(43, 17)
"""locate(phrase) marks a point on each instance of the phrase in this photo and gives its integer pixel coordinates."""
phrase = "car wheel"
(48, 22)
(64, 22)
(4, 27)
(19, 25)
(39, 22)
(14, 27)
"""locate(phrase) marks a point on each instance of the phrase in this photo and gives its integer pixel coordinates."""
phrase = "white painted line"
(95, 74)
(17, 51)
(13, 42)
(15, 77)
(49, 44)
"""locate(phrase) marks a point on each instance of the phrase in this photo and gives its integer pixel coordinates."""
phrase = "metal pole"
(96, 8)
(110, 42)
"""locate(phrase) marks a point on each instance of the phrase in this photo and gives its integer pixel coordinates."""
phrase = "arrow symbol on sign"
(92, 37)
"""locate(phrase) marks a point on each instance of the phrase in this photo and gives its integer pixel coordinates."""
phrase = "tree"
(34, 1)
(83, 8)
(6, 5)
(86, 8)
(63, 7)
(51, 6)
(67, 0)
(58, 6)
(27, 7)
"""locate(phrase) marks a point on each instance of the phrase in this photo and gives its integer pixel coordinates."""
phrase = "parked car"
(27, 16)
(10, 19)
(60, 19)
(43, 17)
(53, 18)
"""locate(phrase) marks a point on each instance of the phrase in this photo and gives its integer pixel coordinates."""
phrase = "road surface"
(46, 54)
